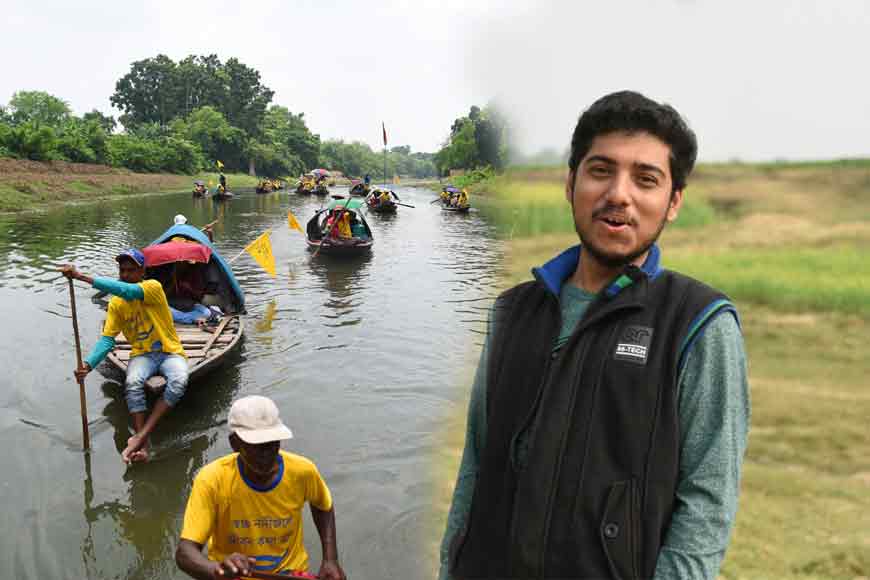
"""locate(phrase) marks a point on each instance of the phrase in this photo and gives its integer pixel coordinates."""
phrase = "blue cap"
(133, 254)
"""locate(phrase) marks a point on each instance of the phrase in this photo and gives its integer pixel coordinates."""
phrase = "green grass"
(788, 242)
(793, 279)
(233, 179)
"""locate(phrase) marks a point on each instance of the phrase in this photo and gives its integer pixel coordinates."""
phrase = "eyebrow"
(641, 166)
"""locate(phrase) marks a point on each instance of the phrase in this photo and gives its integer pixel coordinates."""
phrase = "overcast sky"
(756, 80)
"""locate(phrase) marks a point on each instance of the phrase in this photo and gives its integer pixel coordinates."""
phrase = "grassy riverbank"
(788, 243)
(29, 185)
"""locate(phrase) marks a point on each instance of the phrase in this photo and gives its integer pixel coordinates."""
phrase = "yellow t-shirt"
(232, 516)
(144, 322)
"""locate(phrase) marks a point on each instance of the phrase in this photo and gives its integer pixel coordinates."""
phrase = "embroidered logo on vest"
(633, 344)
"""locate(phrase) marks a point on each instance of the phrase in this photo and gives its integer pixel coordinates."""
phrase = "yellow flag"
(219, 164)
(261, 250)
(291, 221)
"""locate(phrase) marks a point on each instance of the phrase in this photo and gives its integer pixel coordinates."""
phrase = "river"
(363, 357)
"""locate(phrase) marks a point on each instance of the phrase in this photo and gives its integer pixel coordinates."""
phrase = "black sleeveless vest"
(594, 495)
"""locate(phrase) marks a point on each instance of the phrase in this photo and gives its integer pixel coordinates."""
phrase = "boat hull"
(205, 350)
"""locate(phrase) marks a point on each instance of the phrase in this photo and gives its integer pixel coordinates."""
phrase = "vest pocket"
(619, 530)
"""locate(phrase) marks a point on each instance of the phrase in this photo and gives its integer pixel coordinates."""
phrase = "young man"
(248, 505)
(139, 310)
(609, 414)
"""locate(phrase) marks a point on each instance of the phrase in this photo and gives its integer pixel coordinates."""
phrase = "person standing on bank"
(610, 411)
(139, 310)
(248, 505)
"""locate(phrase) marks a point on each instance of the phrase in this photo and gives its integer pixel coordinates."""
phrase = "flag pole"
(384, 127)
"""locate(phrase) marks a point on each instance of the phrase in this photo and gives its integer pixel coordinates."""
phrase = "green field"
(789, 243)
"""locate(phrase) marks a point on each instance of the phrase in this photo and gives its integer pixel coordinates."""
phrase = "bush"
(146, 155)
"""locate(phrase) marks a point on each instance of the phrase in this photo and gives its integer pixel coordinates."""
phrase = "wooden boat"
(205, 348)
(320, 238)
(376, 203)
(222, 195)
(359, 189)
(450, 197)
(321, 189)
(199, 189)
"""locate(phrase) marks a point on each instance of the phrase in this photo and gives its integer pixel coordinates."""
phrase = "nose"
(619, 190)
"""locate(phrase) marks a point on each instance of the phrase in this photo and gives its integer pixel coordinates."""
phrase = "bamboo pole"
(86, 438)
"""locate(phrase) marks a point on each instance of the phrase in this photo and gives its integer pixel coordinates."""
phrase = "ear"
(675, 204)
(234, 442)
(569, 187)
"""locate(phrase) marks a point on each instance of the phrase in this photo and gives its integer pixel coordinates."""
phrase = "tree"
(246, 99)
(39, 108)
(283, 128)
(148, 93)
(208, 128)
(107, 122)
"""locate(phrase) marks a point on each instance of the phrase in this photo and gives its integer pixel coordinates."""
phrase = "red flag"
(385, 134)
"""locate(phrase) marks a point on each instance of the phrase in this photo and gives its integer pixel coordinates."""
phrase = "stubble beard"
(618, 261)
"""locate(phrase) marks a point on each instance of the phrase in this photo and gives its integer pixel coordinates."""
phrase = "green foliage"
(158, 90)
(37, 108)
(107, 122)
(83, 141)
(170, 154)
(209, 129)
(290, 136)
(358, 159)
(480, 139)
(30, 141)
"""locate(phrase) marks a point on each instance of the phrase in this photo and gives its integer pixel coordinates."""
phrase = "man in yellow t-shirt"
(138, 310)
(247, 506)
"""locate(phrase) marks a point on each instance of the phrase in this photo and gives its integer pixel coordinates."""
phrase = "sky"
(755, 80)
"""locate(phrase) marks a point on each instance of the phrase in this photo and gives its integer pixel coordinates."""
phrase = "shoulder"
(297, 462)
(219, 470)
(116, 302)
(151, 285)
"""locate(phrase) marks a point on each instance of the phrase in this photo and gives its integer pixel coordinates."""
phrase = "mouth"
(615, 222)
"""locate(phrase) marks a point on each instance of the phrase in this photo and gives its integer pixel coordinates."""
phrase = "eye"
(648, 180)
(599, 171)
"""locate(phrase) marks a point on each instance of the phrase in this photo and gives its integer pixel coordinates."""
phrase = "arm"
(714, 422)
(114, 287)
(466, 479)
(324, 520)
(103, 347)
(118, 288)
(191, 561)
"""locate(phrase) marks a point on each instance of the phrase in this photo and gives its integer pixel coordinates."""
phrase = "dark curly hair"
(632, 112)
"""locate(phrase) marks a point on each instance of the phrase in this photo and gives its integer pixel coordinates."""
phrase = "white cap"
(180, 219)
(255, 419)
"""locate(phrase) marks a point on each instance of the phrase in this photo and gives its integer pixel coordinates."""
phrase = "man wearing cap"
(139, 310)
(248, 505)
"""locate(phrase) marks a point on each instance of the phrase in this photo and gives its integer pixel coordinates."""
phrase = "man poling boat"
(173, 315)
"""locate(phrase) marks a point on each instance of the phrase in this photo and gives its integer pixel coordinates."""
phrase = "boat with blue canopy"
(196, 280)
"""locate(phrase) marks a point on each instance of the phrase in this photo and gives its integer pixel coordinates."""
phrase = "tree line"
(181, 117)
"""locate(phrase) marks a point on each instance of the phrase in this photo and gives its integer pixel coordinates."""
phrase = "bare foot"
(136, 450)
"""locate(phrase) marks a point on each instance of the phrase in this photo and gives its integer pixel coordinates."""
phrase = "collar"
(554, 273)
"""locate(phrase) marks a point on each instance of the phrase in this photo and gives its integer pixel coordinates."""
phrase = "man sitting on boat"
(247, 506)
(138, 310)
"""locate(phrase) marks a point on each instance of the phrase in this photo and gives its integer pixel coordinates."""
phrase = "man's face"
(621, 197)
(129, 271)
(260, 459)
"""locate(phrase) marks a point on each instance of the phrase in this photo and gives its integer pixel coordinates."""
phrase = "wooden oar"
(403, 204)
(86, 438)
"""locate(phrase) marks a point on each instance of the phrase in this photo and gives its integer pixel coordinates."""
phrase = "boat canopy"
(223, 268)
(350, 204)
